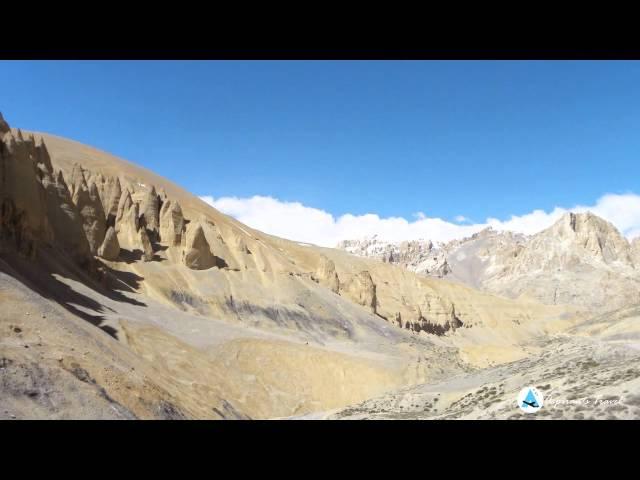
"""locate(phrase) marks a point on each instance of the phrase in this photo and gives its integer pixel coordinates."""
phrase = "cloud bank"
(299, 222)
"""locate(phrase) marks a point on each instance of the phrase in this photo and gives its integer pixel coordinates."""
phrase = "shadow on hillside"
(299, 319)
(133, 256)
(41, 276)
(130, 256)
(117, 281)
(220, 262)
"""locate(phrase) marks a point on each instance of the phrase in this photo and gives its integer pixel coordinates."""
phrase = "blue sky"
(476, 139)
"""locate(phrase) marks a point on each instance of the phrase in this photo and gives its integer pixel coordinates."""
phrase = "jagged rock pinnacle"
(4, 126)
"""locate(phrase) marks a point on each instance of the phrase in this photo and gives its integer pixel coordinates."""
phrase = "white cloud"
(296, 221)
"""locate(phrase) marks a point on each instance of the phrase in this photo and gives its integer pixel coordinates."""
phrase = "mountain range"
(581, 260)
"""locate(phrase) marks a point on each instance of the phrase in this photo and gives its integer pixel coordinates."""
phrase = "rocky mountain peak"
(485, 232)
(583, 222)
(587, 234)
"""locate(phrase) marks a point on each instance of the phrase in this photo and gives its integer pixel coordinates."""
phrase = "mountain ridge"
(515, 265)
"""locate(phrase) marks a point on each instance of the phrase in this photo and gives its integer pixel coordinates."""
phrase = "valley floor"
(579, 377)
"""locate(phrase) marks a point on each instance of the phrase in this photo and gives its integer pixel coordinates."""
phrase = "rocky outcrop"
(77, 181)
(162, 195)
(65, 218)
(36, 207)
(404, 253)
(124, 206)
(4, 126)
(326, 274)
(126, 224)
(110, 192)
(439, 324)
(171, 223)
(240, 245)
(361, 289)
(145, 242)
(110, 248)
(23, 214)
(635, 252)
(88, 203)
(432, 326)
(150, 214)
(420, 256)
(197, 253)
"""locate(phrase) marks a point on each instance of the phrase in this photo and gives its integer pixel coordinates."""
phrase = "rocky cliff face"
(361, 289)
(145, 243)
(171, 223)
(577, 238)
(36, 206)
(4, 126)
(445, 319)
(419, 256)
(326, 274)
(127, 224)
(581, 259)
(65, 219)
(150, 213)
(197, 253)
(110, 248)
(408, 253)
(423, 257)
(24, 219)
(110, 191)
(635, 251)
(90, 215)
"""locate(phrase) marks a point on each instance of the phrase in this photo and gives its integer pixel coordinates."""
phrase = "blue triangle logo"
(530, 400)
